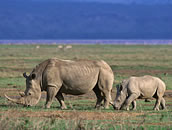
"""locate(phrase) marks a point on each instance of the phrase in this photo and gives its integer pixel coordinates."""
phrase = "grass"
(146, 121)
(125, 60)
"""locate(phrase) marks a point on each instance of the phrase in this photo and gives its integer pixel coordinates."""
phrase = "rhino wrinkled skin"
(144, 87)
(77, 77)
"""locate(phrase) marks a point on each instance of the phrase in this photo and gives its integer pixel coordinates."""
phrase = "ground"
(125, 61)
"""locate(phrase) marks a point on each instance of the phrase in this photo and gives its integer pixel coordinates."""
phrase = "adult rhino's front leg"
(51, 93)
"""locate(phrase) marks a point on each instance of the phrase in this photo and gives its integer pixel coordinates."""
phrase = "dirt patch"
(74, 115)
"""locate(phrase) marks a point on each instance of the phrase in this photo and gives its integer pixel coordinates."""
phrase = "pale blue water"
(151, 42)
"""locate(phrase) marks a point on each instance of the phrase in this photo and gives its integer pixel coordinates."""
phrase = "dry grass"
(124, 59)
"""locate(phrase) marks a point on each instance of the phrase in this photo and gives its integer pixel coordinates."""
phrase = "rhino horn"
(18, 101)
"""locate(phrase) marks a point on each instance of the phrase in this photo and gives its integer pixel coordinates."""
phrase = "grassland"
(125, 60)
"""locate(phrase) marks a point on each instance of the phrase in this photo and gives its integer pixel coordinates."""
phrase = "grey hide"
(144, 87)
(75, 77)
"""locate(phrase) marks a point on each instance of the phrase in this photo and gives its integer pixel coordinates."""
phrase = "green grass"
(149, 120)
(18, 81)
(125, 60)
(146, 121)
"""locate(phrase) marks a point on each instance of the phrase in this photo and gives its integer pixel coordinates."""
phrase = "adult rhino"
(144, 87)
(77, 77)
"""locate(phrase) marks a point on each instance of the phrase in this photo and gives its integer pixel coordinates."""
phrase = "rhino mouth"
(118, 106)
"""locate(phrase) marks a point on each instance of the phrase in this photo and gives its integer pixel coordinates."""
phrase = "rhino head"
(32, 94)
(121, 96)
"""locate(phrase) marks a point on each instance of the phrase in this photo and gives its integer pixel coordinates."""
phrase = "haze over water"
(125, 42)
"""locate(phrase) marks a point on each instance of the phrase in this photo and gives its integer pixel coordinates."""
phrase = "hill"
(35, 19)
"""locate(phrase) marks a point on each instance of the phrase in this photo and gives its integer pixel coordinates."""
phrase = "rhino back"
(145, 86)
(75, 77)
(79, 78)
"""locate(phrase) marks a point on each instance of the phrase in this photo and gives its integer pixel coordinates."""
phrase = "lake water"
(145, 42)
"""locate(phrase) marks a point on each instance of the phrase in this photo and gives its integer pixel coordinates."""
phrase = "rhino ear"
(24, 75)
(33, 76)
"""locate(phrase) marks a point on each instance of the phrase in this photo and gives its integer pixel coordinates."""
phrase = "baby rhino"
(144, 87)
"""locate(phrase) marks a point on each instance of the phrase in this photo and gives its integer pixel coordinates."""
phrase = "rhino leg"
(158, 96)
(108, 99)
(51, 93)
(163, 103)
(60, 98)
(147, 100)
(134, 105)
(105, 84)
(129, 100)
(99, 96)
(158, 101)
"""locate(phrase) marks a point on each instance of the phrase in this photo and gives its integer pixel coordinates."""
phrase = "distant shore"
(120, 41)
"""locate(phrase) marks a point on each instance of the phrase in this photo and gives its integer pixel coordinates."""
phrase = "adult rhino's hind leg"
(157, 103)
(163, 103)
(158, 95)
(99, 96)
(133, 105)
(60, 98)
(105, 84)
(106, 88)
(108, 99)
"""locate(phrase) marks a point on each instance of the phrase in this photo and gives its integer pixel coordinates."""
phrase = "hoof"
(99, 107)
(47, 107)
(156, 109)
(106, 107)
(128, 109)
(63, 108)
